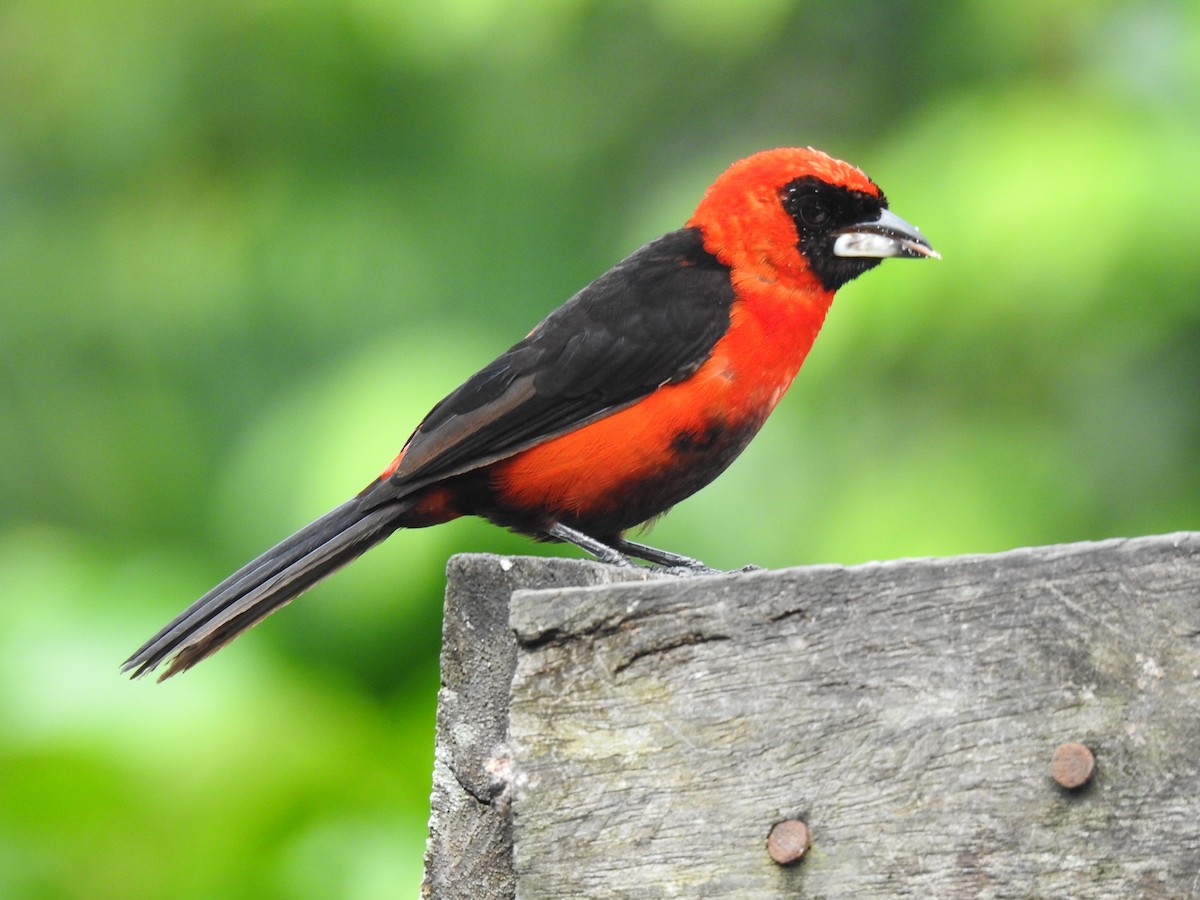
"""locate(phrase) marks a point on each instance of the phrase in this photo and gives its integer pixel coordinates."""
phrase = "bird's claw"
(687, 571)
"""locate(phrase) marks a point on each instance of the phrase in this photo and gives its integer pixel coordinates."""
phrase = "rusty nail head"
(787, 841)
(1072, 766)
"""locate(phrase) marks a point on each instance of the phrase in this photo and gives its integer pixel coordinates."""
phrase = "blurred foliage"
(245, 246)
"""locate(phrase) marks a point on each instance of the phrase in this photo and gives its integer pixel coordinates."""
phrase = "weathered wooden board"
(469, 851)
(907, 711)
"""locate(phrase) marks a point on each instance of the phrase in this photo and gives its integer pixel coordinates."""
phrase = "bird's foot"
(686, 571)
(617, 552)
(701, 569)
(673, 563)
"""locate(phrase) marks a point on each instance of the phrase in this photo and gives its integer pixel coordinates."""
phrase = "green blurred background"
(244, 246)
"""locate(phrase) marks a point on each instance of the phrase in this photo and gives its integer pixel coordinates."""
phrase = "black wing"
(650, 320)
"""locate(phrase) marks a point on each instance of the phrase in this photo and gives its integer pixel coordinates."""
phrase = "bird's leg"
(676, 561)
(617, 552)
(603, 552)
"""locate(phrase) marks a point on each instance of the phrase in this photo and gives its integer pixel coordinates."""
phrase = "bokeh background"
(245, 245)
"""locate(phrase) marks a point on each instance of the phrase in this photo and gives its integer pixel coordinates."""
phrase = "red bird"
(631, 396)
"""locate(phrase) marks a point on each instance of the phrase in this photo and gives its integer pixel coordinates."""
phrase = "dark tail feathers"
(260, 587)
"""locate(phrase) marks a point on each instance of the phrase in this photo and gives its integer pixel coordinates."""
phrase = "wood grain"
(907, 711)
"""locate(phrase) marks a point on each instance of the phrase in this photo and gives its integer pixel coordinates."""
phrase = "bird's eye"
(812, 212)
(814, 206)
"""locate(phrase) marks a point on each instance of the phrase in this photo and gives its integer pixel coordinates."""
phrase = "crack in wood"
(692, 639)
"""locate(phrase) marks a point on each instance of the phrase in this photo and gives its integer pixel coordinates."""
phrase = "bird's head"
(797, 214)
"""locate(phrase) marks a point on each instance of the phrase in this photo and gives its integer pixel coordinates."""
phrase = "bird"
(634, 394)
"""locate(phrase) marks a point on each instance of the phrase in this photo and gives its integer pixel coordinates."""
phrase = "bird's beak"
(889, 235)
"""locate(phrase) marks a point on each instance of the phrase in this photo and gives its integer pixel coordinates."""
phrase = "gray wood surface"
(469, 851)
(907, 711)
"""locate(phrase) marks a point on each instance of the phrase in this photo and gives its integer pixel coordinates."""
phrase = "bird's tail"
(262, 586)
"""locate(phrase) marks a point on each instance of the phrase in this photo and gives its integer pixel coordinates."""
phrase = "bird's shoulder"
(650, 320)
